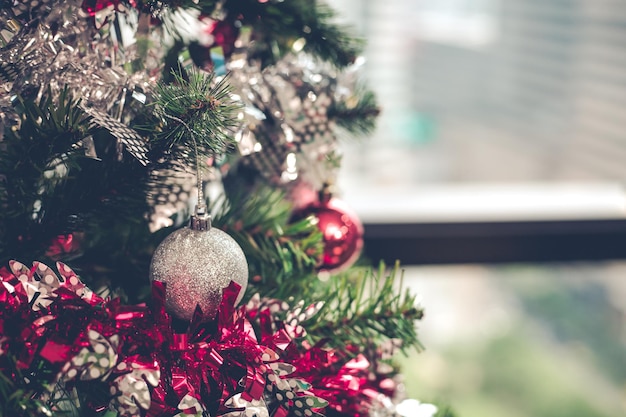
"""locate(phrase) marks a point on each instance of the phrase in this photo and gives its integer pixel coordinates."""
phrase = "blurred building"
(495, 90)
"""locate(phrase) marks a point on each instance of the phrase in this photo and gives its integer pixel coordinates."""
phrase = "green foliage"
(357, 114)
(523, 383)
(196, 112)
(326, 40)
(444, 411)
(34, 159)
(281, 255)
(364, 307)
(542, 360)
(51, 188)
(278, 24)
(19, 395)
(574, 312)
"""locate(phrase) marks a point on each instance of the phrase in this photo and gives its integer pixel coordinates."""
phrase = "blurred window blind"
(497, 90)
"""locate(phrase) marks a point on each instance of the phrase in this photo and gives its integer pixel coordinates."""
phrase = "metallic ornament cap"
(200, 222)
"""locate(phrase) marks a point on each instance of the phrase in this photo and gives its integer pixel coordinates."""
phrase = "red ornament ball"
(342, 233)
(94, 6)
(225, 34)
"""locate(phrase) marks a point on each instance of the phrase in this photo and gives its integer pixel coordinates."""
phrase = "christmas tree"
(167, 169)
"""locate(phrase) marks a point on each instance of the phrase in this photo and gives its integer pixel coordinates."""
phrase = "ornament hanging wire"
(201, 219)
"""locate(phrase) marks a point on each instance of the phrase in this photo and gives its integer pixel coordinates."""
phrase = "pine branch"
(277, 25)
(196, 113)
(281, 255)
(19, 394)
(50, 188)
(33, 159)
(357, 114)
(364, 307)
(328, 41)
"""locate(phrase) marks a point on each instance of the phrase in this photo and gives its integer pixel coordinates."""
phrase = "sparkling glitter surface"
(197, 266)
(288, 134)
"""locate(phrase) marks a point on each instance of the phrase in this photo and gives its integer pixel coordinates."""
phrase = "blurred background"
(496, 176)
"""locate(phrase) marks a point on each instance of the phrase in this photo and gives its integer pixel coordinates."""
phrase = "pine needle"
(365, 307)
(197, 114)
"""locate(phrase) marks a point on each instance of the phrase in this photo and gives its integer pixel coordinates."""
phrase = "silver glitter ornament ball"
(197, 265)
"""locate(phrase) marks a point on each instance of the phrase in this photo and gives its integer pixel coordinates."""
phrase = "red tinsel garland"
(246, 360)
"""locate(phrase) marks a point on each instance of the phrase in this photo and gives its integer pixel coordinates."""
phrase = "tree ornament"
(225, 34)
(94, 6)
(341, 228)
(197, 262)
(288, 129)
